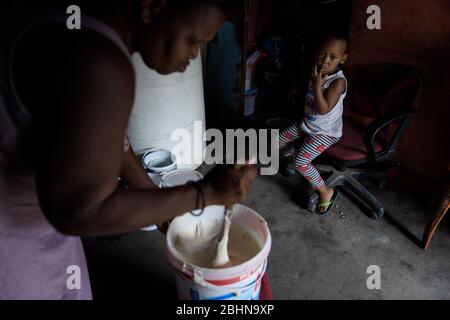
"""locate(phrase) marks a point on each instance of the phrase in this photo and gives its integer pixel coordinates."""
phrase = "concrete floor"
(311, 257)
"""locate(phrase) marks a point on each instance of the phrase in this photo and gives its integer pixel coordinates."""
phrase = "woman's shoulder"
(53, 43)
(69, 54)
(51, 62)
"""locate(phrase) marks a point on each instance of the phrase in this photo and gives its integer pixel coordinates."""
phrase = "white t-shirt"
(329, 124)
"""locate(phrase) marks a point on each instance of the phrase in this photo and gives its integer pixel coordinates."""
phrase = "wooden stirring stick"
(222, 258)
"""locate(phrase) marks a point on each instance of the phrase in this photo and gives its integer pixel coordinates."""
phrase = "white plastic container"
(242, 282)
(158, 162)
(250, 101)
(250, 69)
(179, 178)
(164, 104)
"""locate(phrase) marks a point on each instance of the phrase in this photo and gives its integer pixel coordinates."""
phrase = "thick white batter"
(200, 249)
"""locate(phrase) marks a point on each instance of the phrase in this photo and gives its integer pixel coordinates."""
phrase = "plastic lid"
(159, 161)
(180, 178)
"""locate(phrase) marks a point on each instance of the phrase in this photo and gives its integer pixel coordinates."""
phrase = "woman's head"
(170, 32)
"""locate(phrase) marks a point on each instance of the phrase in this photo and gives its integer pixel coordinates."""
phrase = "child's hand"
(318, 77)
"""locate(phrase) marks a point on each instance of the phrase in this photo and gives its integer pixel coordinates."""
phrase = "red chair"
(384, 99)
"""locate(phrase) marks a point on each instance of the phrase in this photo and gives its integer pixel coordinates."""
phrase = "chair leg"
(432, 227)
(325, 169)
(439, 208)
(365, 197)
(354, 187)
(380, 178)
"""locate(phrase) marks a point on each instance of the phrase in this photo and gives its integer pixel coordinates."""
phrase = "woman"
(65, 99)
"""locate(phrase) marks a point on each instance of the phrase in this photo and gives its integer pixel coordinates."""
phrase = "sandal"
(328, 205)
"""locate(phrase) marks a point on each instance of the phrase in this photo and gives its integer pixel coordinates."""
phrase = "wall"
(225, 71)
(415, 33)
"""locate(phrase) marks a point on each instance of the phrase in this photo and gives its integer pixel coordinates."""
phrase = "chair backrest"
(385, 88)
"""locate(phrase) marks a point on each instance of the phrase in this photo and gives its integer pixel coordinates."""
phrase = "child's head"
(332, 52)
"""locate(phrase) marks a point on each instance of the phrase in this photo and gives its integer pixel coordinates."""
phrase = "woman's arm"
(81, 89)
(133, 174)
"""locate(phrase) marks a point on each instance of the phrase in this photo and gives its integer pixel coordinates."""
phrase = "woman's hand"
(318, 77)
(226, 185)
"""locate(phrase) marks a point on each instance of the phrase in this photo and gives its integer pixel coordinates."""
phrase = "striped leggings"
(311, 147)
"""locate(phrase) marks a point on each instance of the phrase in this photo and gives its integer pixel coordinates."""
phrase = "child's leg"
(311, 148)
(290, 135)
(287, 137)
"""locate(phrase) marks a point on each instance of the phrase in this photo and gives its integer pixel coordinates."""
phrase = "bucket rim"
(211, 273)
(159, 170)
(168, 174)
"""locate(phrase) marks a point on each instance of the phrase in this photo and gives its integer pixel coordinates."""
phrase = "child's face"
(331, 55)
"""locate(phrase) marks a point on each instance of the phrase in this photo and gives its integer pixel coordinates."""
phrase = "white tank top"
(329, 124)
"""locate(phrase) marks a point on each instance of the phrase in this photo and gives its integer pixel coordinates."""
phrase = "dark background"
(414, 32)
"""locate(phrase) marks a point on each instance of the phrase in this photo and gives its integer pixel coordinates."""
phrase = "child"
(322, 125)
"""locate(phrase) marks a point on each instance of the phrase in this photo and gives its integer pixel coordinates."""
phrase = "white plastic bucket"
(242, 282)
(250, 101)
(179, 178)
(157, 162)
(165, 103)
